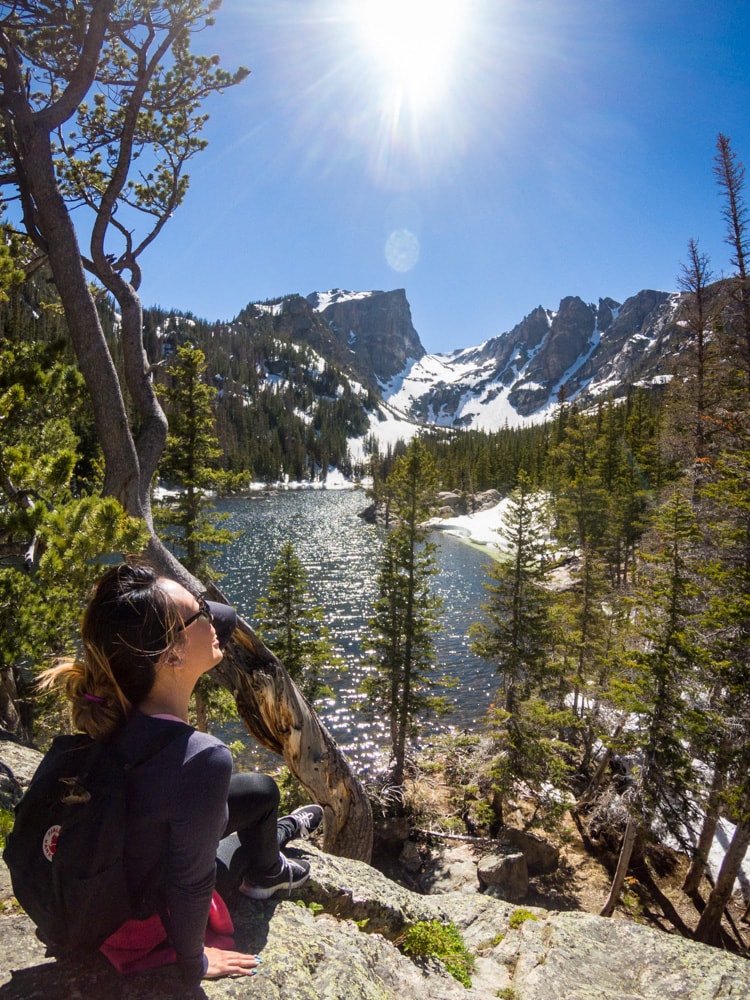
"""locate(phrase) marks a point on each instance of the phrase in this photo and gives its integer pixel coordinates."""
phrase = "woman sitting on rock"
(193, 827)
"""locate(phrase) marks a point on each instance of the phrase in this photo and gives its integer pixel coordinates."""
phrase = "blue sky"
(488, 157)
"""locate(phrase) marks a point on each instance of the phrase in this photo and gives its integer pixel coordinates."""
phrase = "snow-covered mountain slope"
(453, 391)
(578, 352)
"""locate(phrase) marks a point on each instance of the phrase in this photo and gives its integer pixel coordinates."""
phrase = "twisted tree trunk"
(280, 719)
(627, 848)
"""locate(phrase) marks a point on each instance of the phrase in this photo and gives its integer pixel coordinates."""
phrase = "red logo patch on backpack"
(49, 842)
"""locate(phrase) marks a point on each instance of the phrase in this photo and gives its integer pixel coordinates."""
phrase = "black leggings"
(250, 844)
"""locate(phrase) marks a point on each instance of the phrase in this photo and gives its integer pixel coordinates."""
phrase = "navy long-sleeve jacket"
(177, 812)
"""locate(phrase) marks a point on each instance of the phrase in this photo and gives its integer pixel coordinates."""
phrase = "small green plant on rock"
(519, 917)
(491, 943)
(312, 906)
(430, 938)
(507, 993)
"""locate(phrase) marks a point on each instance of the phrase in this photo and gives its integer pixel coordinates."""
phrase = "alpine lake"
(341, 553)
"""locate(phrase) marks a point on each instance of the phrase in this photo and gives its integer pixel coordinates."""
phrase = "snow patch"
(270, 308)
(480, 528)
(321, 300)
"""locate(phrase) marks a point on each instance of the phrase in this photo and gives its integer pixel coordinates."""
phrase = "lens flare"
(402, 250)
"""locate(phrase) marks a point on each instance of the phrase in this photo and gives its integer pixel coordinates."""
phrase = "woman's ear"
(171, 657)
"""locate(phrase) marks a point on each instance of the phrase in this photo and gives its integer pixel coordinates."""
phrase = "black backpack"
(65, 853)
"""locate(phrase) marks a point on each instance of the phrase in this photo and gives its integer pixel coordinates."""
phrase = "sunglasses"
(203, 612)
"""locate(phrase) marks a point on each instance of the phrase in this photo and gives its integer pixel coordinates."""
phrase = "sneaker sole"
(261, 892)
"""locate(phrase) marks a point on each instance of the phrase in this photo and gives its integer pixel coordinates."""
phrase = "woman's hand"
(229, 963)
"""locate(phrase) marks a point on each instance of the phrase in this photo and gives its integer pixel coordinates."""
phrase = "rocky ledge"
(334, 941)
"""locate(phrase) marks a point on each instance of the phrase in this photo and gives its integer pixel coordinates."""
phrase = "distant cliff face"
(375, 327)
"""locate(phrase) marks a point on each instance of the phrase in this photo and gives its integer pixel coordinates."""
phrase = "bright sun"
(413, 43)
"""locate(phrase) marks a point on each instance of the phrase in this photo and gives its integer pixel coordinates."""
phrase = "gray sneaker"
(299, 823)
(293, 874)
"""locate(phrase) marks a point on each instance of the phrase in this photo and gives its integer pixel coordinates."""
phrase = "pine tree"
(191, 463)
(726, 620)
(518, 638)
(109, 120)
(582, 505)
(405, 613)
(628, 491)
(730, 176)
(659, 682)
(695, 277)
(726, 511)
(583, 519)
(292, 626)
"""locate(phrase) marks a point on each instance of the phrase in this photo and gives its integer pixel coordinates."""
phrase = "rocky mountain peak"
(376, 327)
(582, 349)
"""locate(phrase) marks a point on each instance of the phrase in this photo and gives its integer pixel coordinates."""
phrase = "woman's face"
(198, 643)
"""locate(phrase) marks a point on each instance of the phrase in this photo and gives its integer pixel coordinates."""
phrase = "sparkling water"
(340, 553)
